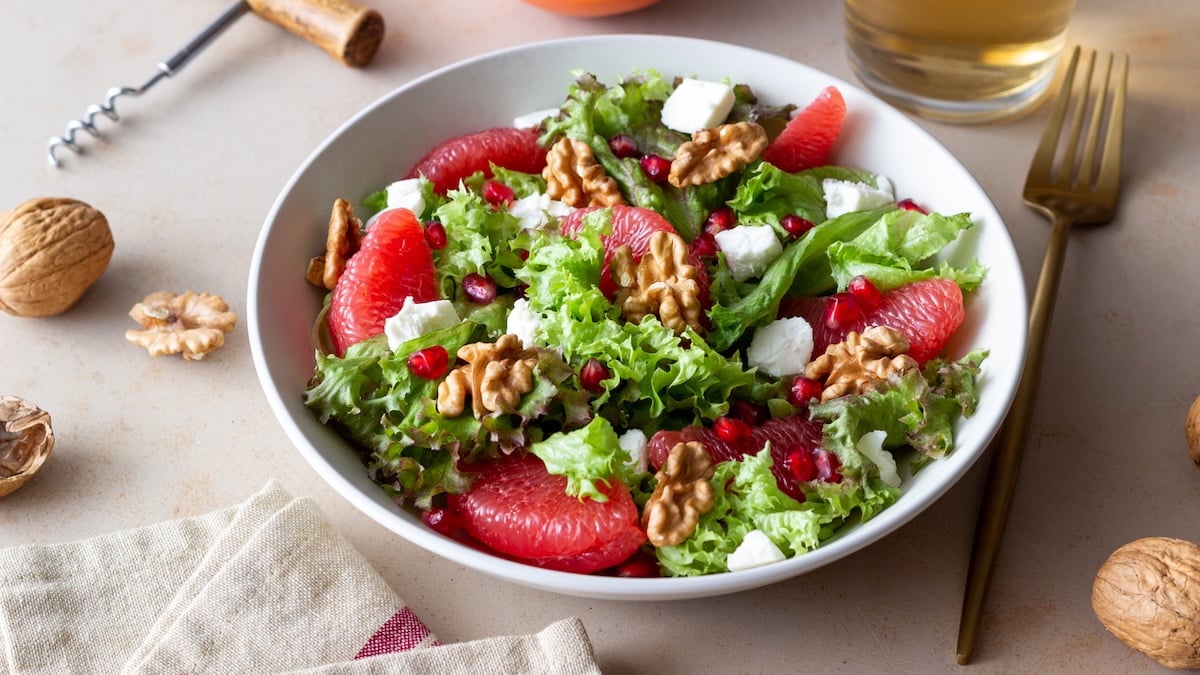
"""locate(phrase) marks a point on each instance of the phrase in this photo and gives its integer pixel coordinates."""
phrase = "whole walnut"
(1148, 595)
(52, 249)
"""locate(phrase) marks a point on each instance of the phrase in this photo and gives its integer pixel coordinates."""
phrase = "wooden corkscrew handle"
(348, 32)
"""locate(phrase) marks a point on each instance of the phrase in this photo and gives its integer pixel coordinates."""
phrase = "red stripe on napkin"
(400, 633)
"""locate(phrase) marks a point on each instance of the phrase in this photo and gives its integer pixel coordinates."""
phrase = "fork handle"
(1006, 460)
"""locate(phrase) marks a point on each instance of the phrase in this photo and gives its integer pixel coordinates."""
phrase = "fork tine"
(1043, 158)
(1087, 169)
(1110, 162)
(1066, 169)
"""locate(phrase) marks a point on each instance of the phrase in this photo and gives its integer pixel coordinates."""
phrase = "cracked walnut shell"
(683, 494)
(861, 362)
(495, 376)
(192, 324)
(343, 239)
(574, 177)
(715, 153)
(1147, 594)
(26, 440)
(662, 283)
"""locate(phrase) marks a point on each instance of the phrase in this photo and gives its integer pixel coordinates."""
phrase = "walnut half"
(192, 324)
(715, 153)
(861, 362)
(682, 495)
(342, 240)
(495, 376)
(662, 283)
(574, 177)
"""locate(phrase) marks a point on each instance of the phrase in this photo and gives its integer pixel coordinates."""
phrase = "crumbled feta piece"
(533, 119)
(523, 322)
(871, 447)
(406, 194)
(697, 104)
(535, 211)
(756, 550)
(782, 347)
(885, 184)
(843, 196)
(418, 318)
(634, 442)
(748, 249)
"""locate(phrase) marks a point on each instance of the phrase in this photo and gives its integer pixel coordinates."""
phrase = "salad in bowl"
(686, 321)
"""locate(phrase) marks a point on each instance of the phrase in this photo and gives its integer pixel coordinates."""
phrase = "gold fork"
(1079, 190)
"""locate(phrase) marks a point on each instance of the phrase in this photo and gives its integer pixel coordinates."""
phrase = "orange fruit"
(591, 7)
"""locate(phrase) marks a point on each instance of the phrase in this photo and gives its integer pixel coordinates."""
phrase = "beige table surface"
(188, 176)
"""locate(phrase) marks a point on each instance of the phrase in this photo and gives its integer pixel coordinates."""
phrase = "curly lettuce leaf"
(766, 193)
(585, 456)
(892, 252)
(479, 239)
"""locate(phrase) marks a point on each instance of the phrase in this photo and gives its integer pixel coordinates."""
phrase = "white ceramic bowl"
(380, 144)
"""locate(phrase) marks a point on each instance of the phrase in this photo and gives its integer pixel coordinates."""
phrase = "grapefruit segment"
(394, 262)
(927, 312)
(459, 157)
(809, 136)
(517, 508)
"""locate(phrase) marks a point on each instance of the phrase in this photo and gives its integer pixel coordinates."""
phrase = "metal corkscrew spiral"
(166, 68)
(346, 31)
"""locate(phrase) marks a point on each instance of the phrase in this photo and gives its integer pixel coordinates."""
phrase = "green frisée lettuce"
(586, 456)
(479, 240)
(658, 377)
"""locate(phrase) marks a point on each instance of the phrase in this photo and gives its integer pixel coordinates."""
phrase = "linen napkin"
(265, 586)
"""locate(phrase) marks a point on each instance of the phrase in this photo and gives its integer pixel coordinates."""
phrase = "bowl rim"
(607, 587)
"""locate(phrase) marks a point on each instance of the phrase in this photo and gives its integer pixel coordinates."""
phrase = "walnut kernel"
(192, 324)
(662, 283)
(26, 440)
(861, 362)
(1191, 429)
(574, 177)
(682, 495)
(1148, 595)
(495, 376)
(342, 240)
(715, 153)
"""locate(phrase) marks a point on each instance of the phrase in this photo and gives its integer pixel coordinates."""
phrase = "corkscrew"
(349, 33)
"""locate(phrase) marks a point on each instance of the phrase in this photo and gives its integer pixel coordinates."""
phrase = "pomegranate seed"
(593, 374)
(748, 412)
(441, 520)
(480, 290)
(864, 291)
(435, 235)
(704, 245)
(910, 205)
(523, 254)
(795, 225)
(803, 390)
(827, 466)
(656, 167)
(623, 146)
(640, 565)
(429, 363)
(798, 464)
(731, 429)
(841, 309)
(497, 193)
(722, 218)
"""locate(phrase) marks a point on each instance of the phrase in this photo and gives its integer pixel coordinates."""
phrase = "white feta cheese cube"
(418, 318)
(535, 211)
(634, 442)
(781, 348)
(406, 194)
(523, 322)
(843, 196)
(697, 104)
(871, 447)
(748, 249)
(533, 119)
(756, 550)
